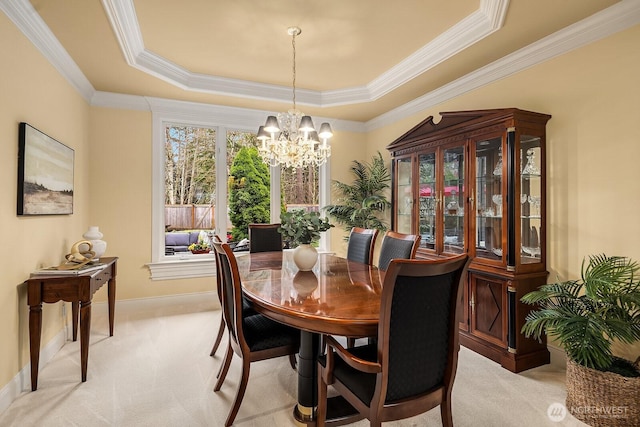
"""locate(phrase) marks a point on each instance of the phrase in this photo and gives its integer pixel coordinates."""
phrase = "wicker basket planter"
(602, 398)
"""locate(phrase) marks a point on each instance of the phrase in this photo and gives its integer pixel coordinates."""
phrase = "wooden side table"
(78, 290)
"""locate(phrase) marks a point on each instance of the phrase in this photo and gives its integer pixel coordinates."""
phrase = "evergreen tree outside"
(249, 192)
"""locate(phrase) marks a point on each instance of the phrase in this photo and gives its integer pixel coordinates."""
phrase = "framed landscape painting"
(45, 174)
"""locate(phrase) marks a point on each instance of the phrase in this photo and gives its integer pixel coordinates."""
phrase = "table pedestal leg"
(304, 412)
(35, 330)
(85, 331)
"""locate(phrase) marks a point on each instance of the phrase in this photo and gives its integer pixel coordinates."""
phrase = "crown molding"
(25, 17)
(473, 28)
(618, 17)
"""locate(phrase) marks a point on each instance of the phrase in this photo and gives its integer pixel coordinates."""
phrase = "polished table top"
(337, 297)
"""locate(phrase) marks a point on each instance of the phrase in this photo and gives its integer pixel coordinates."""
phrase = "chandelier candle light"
(290, 139)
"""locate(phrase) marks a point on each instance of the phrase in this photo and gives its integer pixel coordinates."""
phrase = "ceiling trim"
(200, 112)
(473, 28)
(618, 17)
(25, 17)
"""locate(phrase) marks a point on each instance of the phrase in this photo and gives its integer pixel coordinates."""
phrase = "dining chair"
(264, 238)
(360, 249)
(412, 366)
(361, 243)
(397, 245)
(252, 338)
(247, 306)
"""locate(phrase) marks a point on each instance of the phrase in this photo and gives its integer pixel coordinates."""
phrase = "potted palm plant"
(300, 229)
(362, 203)
(586, 316)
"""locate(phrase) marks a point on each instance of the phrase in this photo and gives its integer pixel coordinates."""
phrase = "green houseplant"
(586, 316)
(362, 203)
(300, 229)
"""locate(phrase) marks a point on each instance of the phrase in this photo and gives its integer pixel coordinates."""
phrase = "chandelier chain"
(293, 43)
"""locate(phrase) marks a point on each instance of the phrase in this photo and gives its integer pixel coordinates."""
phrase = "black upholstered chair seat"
(361, 383)
(262, 333)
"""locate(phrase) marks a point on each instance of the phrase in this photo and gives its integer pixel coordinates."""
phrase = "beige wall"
(593, 146)
(345, 147)
(121, 201)
(593, 152)
(31, 90)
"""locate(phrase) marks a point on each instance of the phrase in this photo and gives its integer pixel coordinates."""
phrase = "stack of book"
(56, 270)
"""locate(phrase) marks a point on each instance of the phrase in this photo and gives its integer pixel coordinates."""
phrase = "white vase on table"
(305, 256)
(94, 235)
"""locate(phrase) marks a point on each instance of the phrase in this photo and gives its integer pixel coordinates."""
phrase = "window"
(191, 182)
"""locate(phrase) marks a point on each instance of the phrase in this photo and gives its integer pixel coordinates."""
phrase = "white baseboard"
(22, 381)
(558, 356)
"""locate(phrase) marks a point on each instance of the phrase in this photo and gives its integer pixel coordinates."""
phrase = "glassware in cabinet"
(530, 200)
(428, 203)
(453, 212)
(404, 195)
(488, 200)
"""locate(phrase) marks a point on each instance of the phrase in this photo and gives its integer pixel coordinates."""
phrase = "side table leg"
(85, 330)
(74, 319)
(35, 329)
(111, 290)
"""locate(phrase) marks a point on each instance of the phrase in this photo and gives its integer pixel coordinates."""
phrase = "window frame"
(163, 267)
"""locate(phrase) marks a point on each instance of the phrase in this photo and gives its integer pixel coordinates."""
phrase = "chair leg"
(351, 342)
(293, 361)
(218, 338)
(224, 368)
(321, 411)
(242, 387)
(445, 412)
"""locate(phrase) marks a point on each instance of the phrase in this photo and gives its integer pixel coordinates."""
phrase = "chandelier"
(290, 138)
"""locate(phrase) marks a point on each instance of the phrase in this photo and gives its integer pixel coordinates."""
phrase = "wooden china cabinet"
(475, 183)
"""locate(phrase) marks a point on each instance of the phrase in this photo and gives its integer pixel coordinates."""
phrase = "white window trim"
(164, 267)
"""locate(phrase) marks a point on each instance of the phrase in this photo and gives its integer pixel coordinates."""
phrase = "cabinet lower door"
(488, 309)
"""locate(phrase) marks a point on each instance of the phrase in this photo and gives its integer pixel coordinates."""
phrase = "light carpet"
(156, 371)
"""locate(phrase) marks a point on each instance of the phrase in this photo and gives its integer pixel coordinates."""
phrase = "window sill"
(183, 267)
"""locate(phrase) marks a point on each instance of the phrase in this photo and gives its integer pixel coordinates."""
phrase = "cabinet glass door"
(404, 196)
(530, 200)
(427, 197)
(453, 205)
(489, 202)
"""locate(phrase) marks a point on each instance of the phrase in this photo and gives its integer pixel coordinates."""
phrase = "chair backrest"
(418, 329)
(264, 238)
(231, 291)
(360, 247)
(217, 239)
(397, 246)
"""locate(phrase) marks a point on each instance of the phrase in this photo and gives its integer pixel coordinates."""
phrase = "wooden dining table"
(338, 297)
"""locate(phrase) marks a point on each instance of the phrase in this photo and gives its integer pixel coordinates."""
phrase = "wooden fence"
(200, 217)
(189, 217)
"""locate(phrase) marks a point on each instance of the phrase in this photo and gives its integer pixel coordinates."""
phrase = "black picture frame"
(45, 174)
